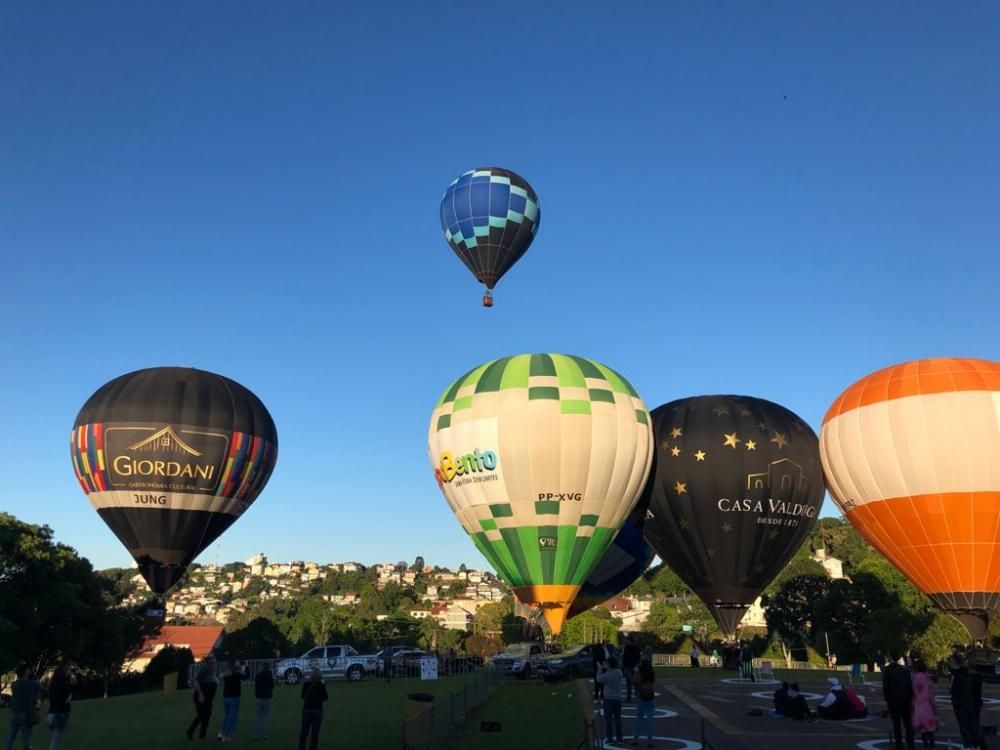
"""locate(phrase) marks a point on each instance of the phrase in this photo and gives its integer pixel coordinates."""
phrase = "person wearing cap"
(897, 689)
(841, 703)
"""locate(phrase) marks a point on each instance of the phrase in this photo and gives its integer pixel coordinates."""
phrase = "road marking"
(703, 711)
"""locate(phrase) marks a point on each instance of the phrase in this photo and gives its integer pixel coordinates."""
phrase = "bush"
(168, 661)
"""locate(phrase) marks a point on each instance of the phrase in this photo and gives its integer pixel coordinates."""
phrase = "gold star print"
(731, 440)
(744, 412)
(711, 552)
(751, 445)
(727, 527)
(699, 456)
(680, 488)
(685, 524)
(772, 535)
(779, 439)
(720, 410)
(676, 432)
(664, 446)
(675, 451)
(762, 426)
(798, 427)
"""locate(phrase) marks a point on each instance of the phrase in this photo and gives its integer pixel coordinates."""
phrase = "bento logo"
(473, 467)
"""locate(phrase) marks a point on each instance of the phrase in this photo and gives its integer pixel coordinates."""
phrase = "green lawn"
(359, 715)
(531, 715)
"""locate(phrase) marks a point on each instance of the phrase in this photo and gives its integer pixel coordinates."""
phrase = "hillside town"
(213, 593)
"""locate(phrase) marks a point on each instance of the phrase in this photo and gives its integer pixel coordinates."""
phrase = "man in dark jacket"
(963, 701)
(897, 689)
(263, 692)
(630, 660)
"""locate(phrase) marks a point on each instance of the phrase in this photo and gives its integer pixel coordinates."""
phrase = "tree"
(418, 565)
(790, 612)
(597, 624)
(663, 621)
(259, 639)
(54, 606)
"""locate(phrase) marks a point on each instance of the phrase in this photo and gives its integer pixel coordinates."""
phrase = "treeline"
(54, 606)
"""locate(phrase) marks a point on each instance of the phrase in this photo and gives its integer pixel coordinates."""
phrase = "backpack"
(646, 691)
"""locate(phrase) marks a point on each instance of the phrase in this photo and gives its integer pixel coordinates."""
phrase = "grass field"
(358, 716)
(531, 715)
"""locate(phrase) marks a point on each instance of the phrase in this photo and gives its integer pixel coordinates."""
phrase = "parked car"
(394, 650)
(568, 665)
(405, 662)
(518, 659)
(332, 661)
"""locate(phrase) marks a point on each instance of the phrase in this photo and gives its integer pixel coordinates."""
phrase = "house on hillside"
(200, 640)
(834, 567)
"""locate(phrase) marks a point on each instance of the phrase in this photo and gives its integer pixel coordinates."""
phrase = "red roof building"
(200, 640)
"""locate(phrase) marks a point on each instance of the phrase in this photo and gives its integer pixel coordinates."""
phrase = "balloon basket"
(488, 299)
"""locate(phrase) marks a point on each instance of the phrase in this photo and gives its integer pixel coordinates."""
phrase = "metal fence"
(683, 660)
(430, 722)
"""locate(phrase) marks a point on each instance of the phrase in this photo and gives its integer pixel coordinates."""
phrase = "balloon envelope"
(489, 216)
(170, 457)
(541, 457)
(912, 458)
(736, 486)
(628, 557)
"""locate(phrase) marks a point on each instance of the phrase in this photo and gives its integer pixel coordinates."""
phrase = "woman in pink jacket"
(925, 718)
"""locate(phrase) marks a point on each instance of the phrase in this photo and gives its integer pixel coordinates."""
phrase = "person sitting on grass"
(781, 699)
(841, 703)
(795, 704)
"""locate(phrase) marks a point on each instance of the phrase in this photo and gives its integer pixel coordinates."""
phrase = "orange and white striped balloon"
(912, 458)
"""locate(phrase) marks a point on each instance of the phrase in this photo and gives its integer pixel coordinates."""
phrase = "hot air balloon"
(912, 458)
(541, 457)
(489, 216)
(736, 486)
(628, 557)
(170, 457)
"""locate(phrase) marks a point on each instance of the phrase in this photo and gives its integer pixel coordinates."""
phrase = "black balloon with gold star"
(735, 487)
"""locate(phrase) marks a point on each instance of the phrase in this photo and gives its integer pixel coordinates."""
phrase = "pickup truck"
(332, 661)
(518, 659)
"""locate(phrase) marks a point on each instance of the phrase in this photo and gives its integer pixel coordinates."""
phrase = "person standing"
(925, 717)
(25, 692)
(963, 701)
(206, 683)
(897, 689)
(630, 660)
(746, 661)
(610, 679)
(694, 653)
(645, 693)
(263, 692)
(59, 697)
(313, 697)
(232, 689)
(599, 657)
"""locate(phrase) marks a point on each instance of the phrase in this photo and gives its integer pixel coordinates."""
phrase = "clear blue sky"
(771, 199)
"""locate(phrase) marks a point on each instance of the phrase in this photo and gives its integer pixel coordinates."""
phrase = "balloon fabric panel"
(490, 216)
(911, 457)
(170, 458)
(541, 458)
(736, 486)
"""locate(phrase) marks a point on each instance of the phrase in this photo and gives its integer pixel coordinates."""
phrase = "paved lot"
(712, 714)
